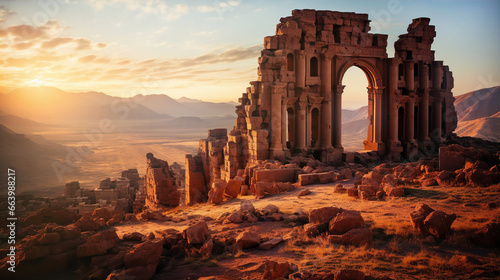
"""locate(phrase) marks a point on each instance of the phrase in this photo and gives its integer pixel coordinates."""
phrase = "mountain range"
(478, 114)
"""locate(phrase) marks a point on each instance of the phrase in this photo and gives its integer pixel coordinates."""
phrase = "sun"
(37, 83)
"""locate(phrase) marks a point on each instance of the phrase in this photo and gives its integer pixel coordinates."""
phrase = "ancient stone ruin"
(294, 107)
(161, 190)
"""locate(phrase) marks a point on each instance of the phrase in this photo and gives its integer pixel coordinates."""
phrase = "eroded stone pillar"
(409, 75)
(393, 106)
(337, 112)
(276, 124)
(300, 134)
(424, 102)
(326, 106)
(300, 72)
(437, 130)
(377, 114)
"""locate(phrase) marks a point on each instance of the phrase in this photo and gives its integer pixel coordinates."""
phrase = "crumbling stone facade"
(294, 107)
(161, 190)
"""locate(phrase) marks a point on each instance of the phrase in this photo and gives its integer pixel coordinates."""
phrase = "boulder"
(236, 217)
(134, 236)
(418, 216)
(274, 270)
(98, 244)
(304, 192)
(323, 215)
(392, 190)
(216, 194)
(349, 274)
(103, 212)
(339, 188)
(346, 221)
(244, 190)
(248, 239)
(271, 243)
(136, 273)
(86, 223)
(247, 207)
(251, 218)
(270, 209)
(48, 238)
(146, 254)
(70, 232)
(352, 192)
(439, 224)
(47, 215)
(196, 234)
(233, 186)
(356, 237)
(207, 248)
(64, 246)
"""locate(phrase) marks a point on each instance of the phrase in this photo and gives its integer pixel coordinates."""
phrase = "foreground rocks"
(428, 221)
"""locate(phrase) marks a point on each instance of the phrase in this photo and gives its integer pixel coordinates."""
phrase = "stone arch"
(372, 73)
(314, 67)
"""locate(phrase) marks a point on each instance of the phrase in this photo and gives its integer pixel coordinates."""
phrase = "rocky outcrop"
(161, 190)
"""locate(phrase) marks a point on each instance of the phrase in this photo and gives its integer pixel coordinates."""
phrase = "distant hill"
(52, 105)
(354, 115)
(478, 114)
(31, 159)
(22, 125)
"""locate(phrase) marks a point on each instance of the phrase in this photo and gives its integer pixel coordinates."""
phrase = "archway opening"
(354, 109)
(313, 69)
(290, 128)
(314, 128)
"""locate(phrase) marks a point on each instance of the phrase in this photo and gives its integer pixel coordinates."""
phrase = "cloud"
(160, 30)
(55, 42)
(5, 14)
(22, 46)
(25, 32)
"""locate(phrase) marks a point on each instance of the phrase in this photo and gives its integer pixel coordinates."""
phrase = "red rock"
(236, 217)
(34, 252)
(207, 248)
(216, 194)
(46, 215)
(346, 221)
(196, 234)
(160, 184)
(418, 216)
(64, 246)
(49, 238)
(339, 188)
(251, 218)
(98, 244)
(136, 273)
(70, 232)
(380, 194)
(274, 270)
(134, 236)
(271, 243)
(439, 224)
(103, 212)
(144, 254)
(244, 190)
(311, 229)
(430, 182)
(356, 237)
(308, 179)
(233, 186)
(304, 192)
(248, 239)
(86, 223)
(247, 207)
(349, 274)
(270, 209)
(480, 178)
(353, 192)
(117, 218)
(275, 217)
(323, 215)
(393, 191)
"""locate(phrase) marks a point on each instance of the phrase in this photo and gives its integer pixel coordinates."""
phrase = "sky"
(209, 50)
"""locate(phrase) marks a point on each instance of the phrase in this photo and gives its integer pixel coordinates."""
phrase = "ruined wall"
(294, 107)
(161, 190)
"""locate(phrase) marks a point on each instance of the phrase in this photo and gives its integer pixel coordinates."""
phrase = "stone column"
(437, 74)
(424, 102)
(284, 121)
(326, 106)
(393, 106)
(300, 71)
(410, 122)
(437, 79)
(377, 114)
(409, 75)
(276, 124)
(337, 125)
(300, 132)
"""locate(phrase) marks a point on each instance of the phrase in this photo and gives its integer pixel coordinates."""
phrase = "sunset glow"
(208, 49)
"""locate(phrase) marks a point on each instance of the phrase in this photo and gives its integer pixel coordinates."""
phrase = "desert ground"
(398, 251)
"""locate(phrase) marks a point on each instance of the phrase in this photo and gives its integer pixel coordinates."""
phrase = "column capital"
(302, 105)
(327, 55)
(279, 89)
(339, 89)
(395, 61)
(376, 90)
(301, 54)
